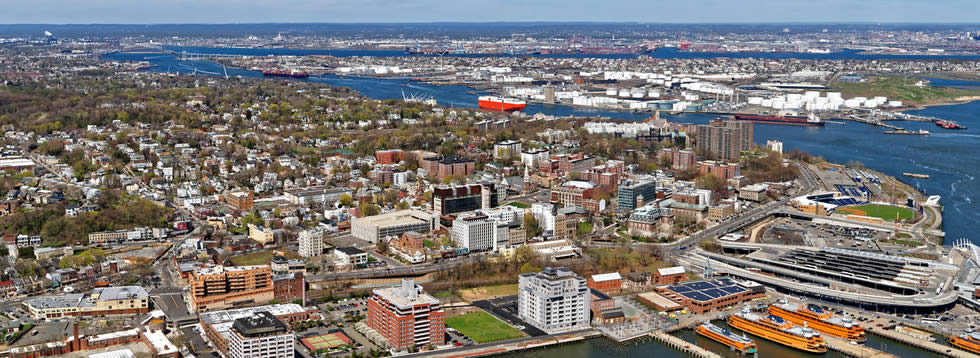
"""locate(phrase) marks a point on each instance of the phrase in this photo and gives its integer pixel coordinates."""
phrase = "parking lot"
(505, 308)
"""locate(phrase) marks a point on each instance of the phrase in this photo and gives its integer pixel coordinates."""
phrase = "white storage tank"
(610, 91)
(755, 100)
(894, 103)
(624, 93)
(654, 94)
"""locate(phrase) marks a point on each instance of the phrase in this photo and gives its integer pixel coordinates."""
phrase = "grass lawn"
(482, 327)
(519, 204)
(429, 244)
(485, 292)
(885, 212)
(584, 227)
(260, 258)
(903, 242)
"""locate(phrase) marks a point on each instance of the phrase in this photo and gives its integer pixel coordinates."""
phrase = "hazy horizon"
(178, 12)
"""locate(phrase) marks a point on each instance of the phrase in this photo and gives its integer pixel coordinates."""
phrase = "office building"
(406, 316)
(393, 224)
(350, 256)
(218, 326)
(635, 193)
(452, 199)
(555, 300)
(260, 336)
(475, 232)
(724, 139)
(103, 301)
(221, 287)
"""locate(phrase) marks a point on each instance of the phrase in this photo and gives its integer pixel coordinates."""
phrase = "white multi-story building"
(310, 243)
(775, 146)
(474, 231)
(260, 336)
(532, 157)
(544, 213)
(506, 149)
(555, 300)
(395, 223)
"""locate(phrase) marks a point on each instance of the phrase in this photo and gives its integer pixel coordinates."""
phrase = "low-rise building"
(608, 283)
(374, 228)
(103, 301)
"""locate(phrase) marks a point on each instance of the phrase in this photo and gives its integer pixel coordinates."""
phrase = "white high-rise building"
(544, 213)
(775, 146)
(310, 243)
(555, 300)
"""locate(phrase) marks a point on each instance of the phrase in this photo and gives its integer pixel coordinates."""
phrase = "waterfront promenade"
(510, 346)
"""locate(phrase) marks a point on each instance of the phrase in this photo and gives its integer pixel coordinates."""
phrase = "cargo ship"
(778, 330)
(949, 124)
(811, 120)
(501, 104)
(726, 337)
(968, 340)
(281, 73)
(819, 320)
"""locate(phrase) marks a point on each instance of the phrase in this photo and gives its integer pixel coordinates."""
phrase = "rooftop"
(259, 325)
(606, 277)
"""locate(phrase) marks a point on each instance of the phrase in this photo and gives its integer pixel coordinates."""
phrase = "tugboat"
(948, 124)
(821, 321)
(726, 337)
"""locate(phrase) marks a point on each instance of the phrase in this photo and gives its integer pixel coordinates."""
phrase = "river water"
(947, 156)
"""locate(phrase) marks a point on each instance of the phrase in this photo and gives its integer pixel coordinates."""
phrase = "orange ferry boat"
(726, 337)
(778, 330)
(820, 320)
(969, 340)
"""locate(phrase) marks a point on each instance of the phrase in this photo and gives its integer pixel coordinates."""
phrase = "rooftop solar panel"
(714, 293)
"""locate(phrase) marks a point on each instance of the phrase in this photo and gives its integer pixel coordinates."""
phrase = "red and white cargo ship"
(501, 104)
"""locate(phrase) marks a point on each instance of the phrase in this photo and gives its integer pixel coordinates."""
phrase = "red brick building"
(669, 275)
(390, 156)
(719, 169)
(406, 316)
(241, 200)
(444, 166)
(289, 287)
(608, 283)
(680, 159)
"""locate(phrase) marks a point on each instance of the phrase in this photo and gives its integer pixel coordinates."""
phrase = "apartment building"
(406, 316)
(554, 300)
(221, 287)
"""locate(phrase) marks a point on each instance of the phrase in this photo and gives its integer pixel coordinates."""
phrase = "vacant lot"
(903, 89)
(260, 258)
(481, 327)
(487, 292)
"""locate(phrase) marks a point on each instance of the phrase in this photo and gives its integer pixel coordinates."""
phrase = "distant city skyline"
(347, 11)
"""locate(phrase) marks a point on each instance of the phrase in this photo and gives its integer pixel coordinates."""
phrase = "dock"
(682, 345)
(920, 343)
(511, 346)
(914, 175)
(847, 349)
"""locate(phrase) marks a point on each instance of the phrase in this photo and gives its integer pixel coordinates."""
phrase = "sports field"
(885, 212)
(326, 341)
(482, 327)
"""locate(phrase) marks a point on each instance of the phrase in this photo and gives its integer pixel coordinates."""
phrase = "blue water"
(946, 155)
(664, 53)
(953, 83)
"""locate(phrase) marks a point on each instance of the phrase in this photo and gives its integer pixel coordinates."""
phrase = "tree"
(382, 247)
(25, 253)
(4, 251)
(370, 209)
(346, 201)
(531, 226)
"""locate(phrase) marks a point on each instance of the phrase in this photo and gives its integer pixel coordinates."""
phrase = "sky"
(342, 11)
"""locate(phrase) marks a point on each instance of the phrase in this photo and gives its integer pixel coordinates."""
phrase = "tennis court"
(326, 341)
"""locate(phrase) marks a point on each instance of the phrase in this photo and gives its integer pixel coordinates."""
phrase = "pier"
(682, 345)
(853, 350)
(511, 346)
(920, 343)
